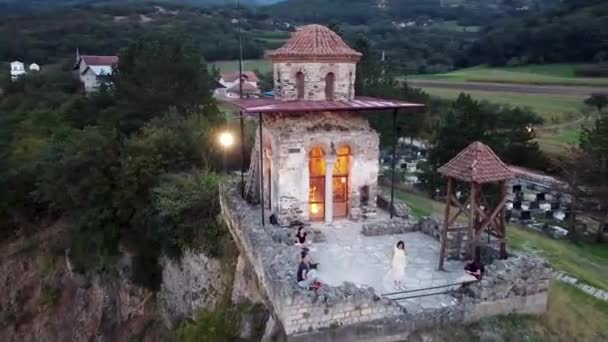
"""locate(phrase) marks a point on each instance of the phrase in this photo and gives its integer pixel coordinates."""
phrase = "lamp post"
(226, 140)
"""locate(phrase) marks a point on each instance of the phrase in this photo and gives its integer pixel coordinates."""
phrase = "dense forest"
(417, 37)
(575, 31)
(46, 37)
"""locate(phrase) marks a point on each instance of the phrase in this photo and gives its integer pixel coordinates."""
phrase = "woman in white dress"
(398, 264)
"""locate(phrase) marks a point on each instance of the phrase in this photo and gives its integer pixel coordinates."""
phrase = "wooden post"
(393, 161)
(472, 219)
(446, 224)
(502, 220)
(262, 204)
(242, 155)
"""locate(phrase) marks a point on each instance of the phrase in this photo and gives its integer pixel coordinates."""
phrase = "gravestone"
(549, 214)
(508, 216)
(525, 215)
(517, 188)
(567, 215)
(540, 196)
(517, 205)
(605, 230)
(555, 205)
(534, 205)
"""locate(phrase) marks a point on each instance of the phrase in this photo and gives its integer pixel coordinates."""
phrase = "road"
(577, 91)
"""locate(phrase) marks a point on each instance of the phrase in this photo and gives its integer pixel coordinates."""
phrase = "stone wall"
(290, 138)
(274, 264)
(190, 283)
(456, 237)
(351, 313)
(314, 80)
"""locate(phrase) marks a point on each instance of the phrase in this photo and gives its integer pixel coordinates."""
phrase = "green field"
(262, 65)
(557, 140)
(550, 74)
(553, 108)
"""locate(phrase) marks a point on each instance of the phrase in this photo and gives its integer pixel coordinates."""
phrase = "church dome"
(315, 43)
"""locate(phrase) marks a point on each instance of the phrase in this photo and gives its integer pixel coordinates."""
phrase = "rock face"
(42, 300)
(192, 282)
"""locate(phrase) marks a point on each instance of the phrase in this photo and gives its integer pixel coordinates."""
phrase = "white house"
(34, 67)
(17, 69)
(230, 85)
(94, 70)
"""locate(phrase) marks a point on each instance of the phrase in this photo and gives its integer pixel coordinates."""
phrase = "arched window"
(300, 85)
(330, 81)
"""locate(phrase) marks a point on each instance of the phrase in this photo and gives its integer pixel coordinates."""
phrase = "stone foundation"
(351, 313)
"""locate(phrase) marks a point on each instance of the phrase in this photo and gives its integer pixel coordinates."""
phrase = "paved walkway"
(348, 256)
(588, 289)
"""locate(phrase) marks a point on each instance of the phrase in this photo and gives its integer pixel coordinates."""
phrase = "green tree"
(594, 144)
(162, 72)
(598, 101)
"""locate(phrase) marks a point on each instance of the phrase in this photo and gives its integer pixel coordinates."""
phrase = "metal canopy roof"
(255, 106)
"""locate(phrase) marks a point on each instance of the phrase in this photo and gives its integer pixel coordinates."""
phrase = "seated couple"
(307, 273)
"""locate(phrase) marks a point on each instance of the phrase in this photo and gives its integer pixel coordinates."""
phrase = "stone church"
(320, 157)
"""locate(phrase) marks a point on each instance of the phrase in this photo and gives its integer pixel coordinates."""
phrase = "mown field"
(571, 316)
(550, 74)
(553, 108)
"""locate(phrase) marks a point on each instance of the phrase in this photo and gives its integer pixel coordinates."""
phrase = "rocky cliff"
(44, 300)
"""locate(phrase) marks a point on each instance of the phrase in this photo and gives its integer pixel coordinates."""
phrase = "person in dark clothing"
(306, 276)
(300, 236)
(474, 266)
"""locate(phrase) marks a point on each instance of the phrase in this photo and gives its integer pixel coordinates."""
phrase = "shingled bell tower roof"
(315, 43)
(477, 164)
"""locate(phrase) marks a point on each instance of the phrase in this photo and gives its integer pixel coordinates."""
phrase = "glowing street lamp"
(226, 139)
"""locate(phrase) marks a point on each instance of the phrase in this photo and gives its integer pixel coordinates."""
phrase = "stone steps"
(588, 289)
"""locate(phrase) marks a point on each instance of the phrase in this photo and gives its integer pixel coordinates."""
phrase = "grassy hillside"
(550, 74)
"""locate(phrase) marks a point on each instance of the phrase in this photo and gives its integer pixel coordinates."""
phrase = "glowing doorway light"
(315, 208)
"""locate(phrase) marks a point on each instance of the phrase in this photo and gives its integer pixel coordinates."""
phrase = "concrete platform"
(349, 256)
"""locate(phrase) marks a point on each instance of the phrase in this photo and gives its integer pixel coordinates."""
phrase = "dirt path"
(577, 91)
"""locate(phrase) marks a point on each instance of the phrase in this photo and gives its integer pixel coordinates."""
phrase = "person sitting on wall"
(474, 266)
(307, 277)
(301, 236)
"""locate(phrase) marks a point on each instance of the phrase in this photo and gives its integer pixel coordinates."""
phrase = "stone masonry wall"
(294, 136)
(314, 80)
(350, 313)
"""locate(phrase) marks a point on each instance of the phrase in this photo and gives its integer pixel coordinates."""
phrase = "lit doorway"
(340, 182)
(316, 194)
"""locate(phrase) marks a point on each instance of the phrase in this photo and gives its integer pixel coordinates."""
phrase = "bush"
(187, 207)
(218, 326)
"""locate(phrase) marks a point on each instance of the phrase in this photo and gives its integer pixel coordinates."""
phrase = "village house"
(17, 69)
(230, 85)
(94, 70)
(34, 67)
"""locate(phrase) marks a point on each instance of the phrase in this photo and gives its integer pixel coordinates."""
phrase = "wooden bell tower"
(480, 168)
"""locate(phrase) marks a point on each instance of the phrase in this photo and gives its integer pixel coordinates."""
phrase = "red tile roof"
(247, 87)
(315, 42)
(100, 60)
(233, 76)
(477, 164)
(254, 106)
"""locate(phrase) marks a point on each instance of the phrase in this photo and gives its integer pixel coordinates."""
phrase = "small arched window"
(330, 81)
(300, 85)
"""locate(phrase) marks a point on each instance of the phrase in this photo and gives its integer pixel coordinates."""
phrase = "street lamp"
(226, 139)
